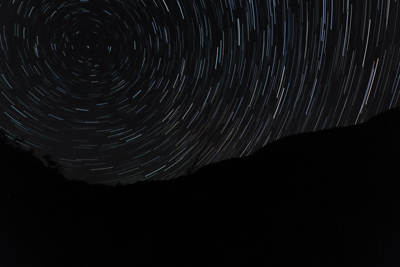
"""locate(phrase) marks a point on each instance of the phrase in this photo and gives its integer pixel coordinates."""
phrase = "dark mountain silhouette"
(326, 198)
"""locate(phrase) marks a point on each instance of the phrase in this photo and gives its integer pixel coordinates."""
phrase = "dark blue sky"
(133, 90)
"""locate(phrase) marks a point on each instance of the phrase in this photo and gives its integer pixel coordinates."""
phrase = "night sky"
(121, 91)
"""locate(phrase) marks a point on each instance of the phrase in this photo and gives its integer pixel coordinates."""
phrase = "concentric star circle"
(121, 91)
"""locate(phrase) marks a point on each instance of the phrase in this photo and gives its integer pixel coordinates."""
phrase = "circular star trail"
(121, 91)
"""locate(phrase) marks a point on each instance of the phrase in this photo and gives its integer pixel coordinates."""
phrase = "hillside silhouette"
(325, 198)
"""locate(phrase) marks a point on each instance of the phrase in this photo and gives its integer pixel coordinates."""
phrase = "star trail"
(122, 91)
